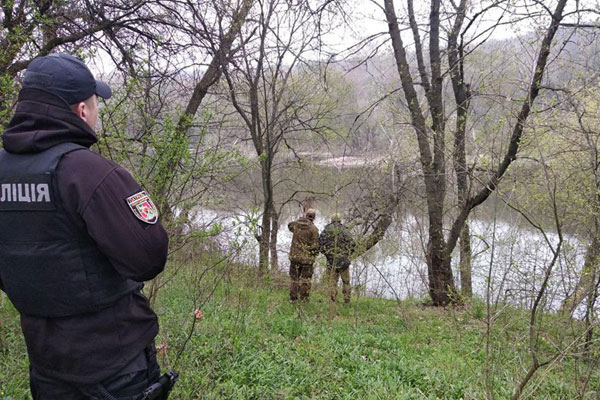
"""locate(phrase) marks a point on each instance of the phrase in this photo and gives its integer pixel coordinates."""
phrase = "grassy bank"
(251, 343)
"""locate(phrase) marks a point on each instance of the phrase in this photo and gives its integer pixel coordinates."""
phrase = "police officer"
(79, 236)
(304, 249)
(337, 244)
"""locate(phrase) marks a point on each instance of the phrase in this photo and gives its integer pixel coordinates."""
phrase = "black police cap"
(65, 76)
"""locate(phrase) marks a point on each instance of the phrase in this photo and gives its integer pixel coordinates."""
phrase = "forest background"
(457, 139)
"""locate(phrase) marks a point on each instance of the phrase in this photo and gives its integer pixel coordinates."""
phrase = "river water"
(509, 258)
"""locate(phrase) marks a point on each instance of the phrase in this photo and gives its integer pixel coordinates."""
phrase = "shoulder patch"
(143, 208)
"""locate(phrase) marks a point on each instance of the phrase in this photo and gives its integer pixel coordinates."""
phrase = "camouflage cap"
(336, 218)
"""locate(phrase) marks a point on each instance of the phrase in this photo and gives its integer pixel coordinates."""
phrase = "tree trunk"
(587, 279)
(441, 282)
(384, 221)
(589, 312)
(273, 243)
(461, 98)
(263, 250)
(268, 215)
(466, 286)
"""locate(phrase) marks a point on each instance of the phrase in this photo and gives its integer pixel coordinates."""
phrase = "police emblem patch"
(143, 208)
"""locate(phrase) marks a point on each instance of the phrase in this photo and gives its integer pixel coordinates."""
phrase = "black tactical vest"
(49, 267)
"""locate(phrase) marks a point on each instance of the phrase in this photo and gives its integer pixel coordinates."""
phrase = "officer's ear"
(84, 109)
(78, 108)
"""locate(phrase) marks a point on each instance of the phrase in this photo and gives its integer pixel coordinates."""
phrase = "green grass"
(253, 344)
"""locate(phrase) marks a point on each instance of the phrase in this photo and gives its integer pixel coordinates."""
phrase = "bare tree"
(127, 30)
(229, 24)
(431, 135)
(579, 154)
(266, 89)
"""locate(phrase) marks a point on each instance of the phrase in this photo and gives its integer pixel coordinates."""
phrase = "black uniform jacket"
(88, 348)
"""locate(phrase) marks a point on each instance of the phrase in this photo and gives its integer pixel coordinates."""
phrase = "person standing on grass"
(337, 244)
(79, 236)
(304, 249)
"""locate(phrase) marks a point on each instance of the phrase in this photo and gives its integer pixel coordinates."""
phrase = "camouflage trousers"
(301, 278)
(333, 276)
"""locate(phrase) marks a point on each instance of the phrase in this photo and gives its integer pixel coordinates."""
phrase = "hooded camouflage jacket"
(305, 241)
(337, 244)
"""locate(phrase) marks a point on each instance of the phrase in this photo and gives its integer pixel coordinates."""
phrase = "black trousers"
(127, 384)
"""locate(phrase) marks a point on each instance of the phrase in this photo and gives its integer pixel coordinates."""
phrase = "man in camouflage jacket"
(304, 249)
(337, 244)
